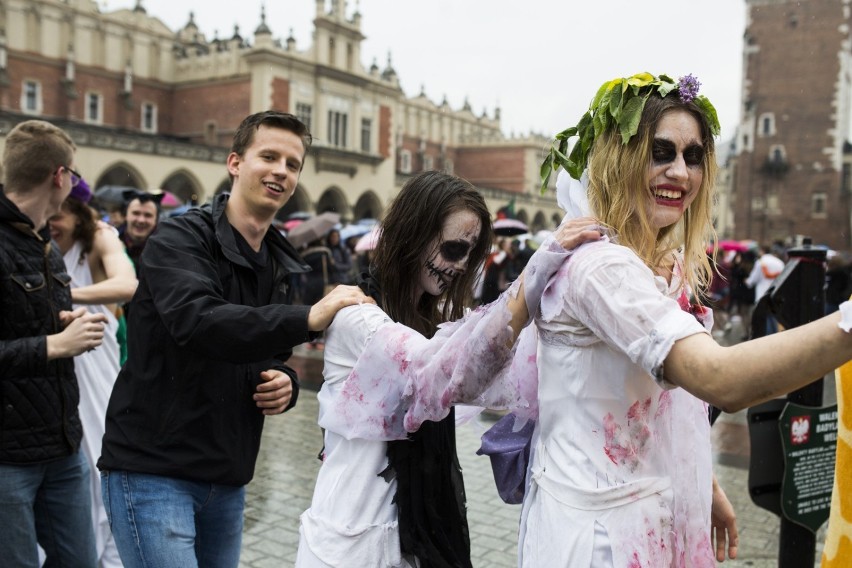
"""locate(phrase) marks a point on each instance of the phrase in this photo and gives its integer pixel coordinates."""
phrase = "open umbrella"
(292, 224)
(312, 229)
(737, 246)
(350, 231)
(169, 199)
(509, 227)
(112, 194)
(370, 240)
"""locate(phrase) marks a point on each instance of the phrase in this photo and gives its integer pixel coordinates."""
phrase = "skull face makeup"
(447, 255)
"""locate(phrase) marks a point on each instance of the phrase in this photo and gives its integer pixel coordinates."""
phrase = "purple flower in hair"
(687, 88)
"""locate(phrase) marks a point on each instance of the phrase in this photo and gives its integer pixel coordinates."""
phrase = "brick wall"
(280, 95)
(225, 102)
(500, 168)
(385, 131)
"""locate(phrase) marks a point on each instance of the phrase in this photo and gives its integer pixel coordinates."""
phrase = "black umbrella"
(113, 194)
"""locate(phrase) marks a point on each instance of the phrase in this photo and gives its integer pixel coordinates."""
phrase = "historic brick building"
(790, 169)
(150, 107)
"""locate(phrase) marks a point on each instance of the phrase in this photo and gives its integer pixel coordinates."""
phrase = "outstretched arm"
(459, 364)
(751, 372)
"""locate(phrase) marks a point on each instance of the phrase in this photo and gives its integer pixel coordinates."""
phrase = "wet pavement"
(288, 464)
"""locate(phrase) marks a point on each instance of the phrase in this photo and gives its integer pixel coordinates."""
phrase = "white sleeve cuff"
(845, 316)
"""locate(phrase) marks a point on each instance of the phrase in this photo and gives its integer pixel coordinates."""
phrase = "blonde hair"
(618, 193)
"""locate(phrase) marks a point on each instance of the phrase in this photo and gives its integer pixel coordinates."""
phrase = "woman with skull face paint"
(390, 490)
(624, 478)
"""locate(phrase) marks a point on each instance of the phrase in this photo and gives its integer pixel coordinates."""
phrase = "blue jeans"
(164, 522)
(47, 504)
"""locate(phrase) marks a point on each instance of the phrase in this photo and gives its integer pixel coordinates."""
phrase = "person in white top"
(621, 470)
(766, 269)
(390, 491)
(101, 276)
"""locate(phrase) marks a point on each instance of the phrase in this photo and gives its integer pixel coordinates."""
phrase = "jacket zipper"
(54, 312)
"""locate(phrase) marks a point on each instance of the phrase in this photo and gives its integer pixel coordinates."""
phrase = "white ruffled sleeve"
(402, 379)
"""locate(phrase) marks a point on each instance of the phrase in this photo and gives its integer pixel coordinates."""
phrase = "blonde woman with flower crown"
(621, 474)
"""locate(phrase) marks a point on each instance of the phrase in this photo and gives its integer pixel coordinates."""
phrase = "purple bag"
(510, 455)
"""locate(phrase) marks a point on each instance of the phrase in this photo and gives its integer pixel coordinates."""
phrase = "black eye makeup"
(665, 152)
(454, 251)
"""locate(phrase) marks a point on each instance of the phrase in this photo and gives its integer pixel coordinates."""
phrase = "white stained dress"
(382, 380)
(96, 372)
(352, 520)
(621, 474)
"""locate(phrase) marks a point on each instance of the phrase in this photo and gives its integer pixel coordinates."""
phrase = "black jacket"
(38, 398)
(182, 405)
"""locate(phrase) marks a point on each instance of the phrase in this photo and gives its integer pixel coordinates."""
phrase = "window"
(405, 161)
(94, 108)
(31, 97)
(428, 163)
(818, 205)
(366, 128)
(210, 132)
(149, 118)
(337, 128)
(303, 113)
(772, 204)
(766, 125)
(448, 168)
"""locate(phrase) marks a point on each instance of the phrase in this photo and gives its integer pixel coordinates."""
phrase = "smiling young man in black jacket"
(209, 332)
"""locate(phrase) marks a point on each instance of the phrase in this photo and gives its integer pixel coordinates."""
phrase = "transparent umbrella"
(312, 229)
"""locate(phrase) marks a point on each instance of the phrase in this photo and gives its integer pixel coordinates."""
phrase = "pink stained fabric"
(403, 379)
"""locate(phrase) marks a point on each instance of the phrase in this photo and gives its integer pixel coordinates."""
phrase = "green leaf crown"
(619, 104)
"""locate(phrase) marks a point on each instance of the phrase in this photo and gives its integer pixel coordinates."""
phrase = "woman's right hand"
(577, 231)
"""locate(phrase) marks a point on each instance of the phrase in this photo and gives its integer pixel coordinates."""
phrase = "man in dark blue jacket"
(44, 478)
(209, 332)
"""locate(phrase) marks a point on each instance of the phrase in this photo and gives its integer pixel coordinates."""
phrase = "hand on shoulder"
(323, 312)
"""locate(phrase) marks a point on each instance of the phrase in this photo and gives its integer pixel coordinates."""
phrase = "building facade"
(150, 107)
(790, 167)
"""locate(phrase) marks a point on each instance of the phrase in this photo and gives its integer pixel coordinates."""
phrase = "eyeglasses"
(75, 177)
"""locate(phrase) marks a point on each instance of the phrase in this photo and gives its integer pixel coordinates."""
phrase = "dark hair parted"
(244, 136)
(414, 222)
(34, 150)
(87, 223)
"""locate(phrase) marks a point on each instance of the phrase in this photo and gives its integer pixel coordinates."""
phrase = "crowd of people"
(599, 336)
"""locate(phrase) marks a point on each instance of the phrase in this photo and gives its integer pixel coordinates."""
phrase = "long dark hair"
(87, 223)
(413, 221)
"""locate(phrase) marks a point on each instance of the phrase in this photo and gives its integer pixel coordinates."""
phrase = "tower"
(788, 162)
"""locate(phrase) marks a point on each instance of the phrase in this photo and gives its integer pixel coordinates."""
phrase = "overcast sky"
(540, 60)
